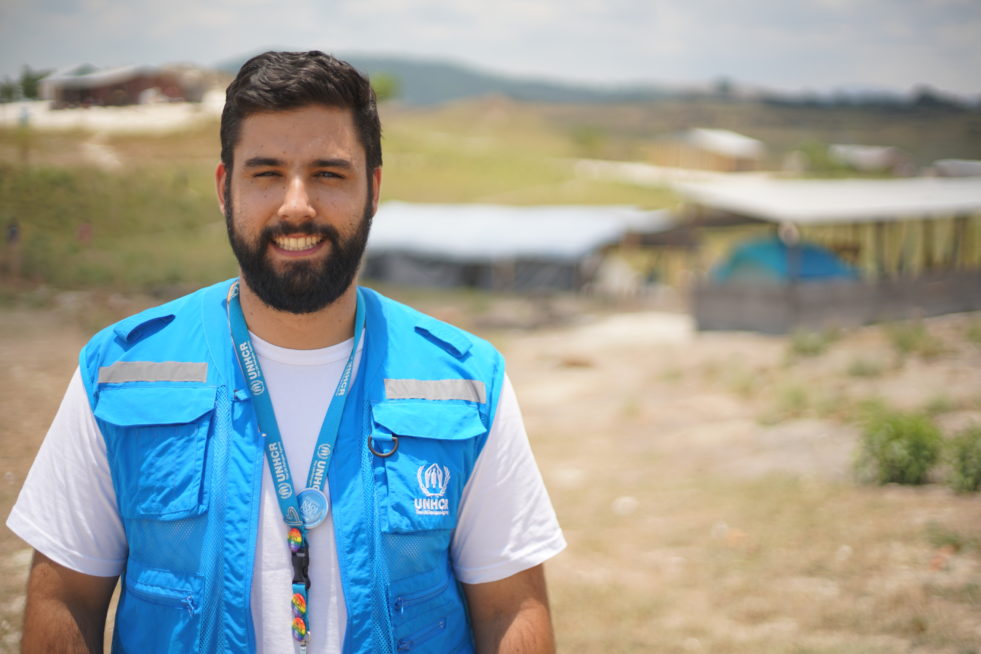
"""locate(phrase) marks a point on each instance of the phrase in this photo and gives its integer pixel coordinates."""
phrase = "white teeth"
(296, 243)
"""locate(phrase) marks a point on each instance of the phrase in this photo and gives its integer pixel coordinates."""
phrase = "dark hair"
(276, 81)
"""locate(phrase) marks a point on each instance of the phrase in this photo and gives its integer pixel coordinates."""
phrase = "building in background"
(718, 150)
(884, 159)
(955, 168)
(85, 85)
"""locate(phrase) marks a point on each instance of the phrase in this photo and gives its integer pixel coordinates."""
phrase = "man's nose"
(296, 202)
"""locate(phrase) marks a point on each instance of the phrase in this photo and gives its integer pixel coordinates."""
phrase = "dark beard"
(303, 287)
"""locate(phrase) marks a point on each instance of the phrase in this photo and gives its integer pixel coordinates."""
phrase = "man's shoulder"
(147, 322)
(175, 330)
(405, 319)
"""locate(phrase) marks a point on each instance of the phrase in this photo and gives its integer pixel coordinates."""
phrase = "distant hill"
(430, 82)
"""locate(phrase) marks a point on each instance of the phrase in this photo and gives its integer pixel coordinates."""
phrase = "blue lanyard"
(308, 508)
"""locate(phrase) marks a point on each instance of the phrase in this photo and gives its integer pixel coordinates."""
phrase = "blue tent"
(770, 259)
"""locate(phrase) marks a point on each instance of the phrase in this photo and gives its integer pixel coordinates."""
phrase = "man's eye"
(329, 174)
(267, 173)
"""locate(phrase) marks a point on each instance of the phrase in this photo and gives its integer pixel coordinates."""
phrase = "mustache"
(306, 229)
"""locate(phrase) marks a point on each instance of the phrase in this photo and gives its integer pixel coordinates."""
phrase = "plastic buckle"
(301, 566)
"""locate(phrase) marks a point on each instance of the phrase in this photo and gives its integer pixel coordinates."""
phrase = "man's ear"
(376, 179)
(220, 174)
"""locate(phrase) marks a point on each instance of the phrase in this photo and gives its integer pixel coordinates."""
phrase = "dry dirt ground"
(703, 480)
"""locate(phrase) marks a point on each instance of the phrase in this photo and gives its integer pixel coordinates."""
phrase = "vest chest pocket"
(437, 447)
(156, 440)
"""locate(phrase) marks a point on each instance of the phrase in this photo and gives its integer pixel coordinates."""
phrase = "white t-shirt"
(67, 508)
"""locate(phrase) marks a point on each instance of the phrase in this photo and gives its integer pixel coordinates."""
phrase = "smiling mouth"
(297, 243)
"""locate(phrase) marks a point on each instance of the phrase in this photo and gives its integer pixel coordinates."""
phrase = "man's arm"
(65, 611)
(511, 616)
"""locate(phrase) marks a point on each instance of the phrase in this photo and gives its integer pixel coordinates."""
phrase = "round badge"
(313, 507)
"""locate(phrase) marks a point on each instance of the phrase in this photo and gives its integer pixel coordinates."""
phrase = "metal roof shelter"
(499, 247)
(896, 224)
(814, 202)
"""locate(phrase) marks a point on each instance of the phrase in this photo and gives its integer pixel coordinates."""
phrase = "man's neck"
(307, 331)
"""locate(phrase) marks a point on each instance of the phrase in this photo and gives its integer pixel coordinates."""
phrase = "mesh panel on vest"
(408, 554)
(380, 619)
(181, 553)
(213, 548)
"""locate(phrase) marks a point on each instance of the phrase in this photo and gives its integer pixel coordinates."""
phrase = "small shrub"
(811, 343)
(939, 535)
(791, 401)
(964, 459)
(898, 447)
(913, 338)
(869, 408)
(835, 404)
(862, 367)
(939, 404)
(974, 332)
(794, 401)
(743, 382)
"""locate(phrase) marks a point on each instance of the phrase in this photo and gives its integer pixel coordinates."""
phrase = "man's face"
(298, 204)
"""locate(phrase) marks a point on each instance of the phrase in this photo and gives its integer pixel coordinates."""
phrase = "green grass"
(865, 367)
(147, 228)
(913, 338)
(973, 332)
(458, 154)
(789, 401)
(811, 343)
(939, 404)
(939, 535)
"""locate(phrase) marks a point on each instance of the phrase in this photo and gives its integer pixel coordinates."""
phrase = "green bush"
(809, 343)
(898, 447)
(964, 459)
(913, 338)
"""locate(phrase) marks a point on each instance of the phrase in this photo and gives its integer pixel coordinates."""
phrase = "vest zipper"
(167, 599)
(409, 642)
(403, 601)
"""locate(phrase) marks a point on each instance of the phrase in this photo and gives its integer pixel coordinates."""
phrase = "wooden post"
(928, 244)
(880, 250)
(958, 254)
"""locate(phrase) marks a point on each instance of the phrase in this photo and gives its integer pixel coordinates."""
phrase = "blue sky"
(817, 45)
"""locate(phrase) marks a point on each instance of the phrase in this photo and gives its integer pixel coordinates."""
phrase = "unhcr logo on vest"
(433, 482)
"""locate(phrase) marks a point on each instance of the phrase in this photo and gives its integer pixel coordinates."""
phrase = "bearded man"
(177, 460)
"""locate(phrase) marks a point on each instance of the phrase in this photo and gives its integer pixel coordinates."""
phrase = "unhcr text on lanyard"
(308, 508)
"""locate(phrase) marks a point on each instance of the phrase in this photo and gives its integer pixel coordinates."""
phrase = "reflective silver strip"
(471, 390)
(153, 371)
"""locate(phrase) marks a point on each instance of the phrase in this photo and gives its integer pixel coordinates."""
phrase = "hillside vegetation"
(137, 212)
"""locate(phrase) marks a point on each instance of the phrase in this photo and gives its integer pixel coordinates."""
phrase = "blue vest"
(187, 462)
